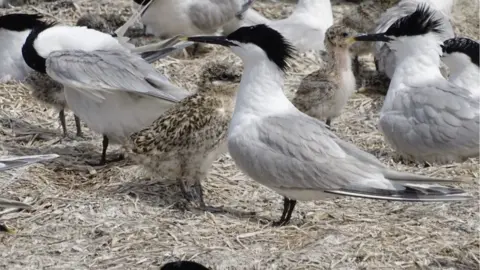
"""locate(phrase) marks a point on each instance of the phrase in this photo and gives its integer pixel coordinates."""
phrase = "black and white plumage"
(114, 91)
(461, 55)
(296, 155)
(425, 118)
(438, 10)
(14, 29)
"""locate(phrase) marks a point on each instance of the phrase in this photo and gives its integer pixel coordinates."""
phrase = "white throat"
(418, 61)
(260, 93)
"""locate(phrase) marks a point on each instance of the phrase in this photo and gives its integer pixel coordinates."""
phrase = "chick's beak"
(218, 40)
(372, 37)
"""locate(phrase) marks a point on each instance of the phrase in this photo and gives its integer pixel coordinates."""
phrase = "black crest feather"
(277, 48)
(183, 265)
(30, 54)
(463, 45)
(20, 21)
(420, 22)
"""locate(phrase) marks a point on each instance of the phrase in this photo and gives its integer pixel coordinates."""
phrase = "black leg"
(328, 122)
(288, 206)
(195, 49)
(79, 126)
(61, 116)
(376, 65)
(197, 188)
(103, 160)
(185, 191)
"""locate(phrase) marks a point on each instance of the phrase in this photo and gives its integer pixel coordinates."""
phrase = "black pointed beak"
(219, 40)
(373, 37)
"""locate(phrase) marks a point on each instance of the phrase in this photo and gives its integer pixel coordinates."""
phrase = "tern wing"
(97, 71)
(6, 203)
(438, 117)
(209, 16)
(297, 152)
(7, 163)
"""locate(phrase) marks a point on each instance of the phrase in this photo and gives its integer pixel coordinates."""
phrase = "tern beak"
(372, 37)
(219, 40)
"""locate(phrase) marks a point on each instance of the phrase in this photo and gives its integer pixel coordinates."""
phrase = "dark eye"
(344, 34)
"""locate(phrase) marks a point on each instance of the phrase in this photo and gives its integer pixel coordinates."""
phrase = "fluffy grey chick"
(183, 143)
(324, 93)
(51, 93)
(106, 23)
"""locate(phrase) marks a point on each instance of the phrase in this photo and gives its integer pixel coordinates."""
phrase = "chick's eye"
(344, 34)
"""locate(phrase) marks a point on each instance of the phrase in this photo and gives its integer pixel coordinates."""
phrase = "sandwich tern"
(461, 55)
(384, 57)
(183, 143)
(166, 18)
(325, 92)
(14, 29)
(294, 154)
(113, 90)
(304, 28)
(425, 117)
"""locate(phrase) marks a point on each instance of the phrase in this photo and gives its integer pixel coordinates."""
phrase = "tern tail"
(7, 163)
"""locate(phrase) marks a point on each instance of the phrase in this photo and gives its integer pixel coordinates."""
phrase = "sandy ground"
(116, 217)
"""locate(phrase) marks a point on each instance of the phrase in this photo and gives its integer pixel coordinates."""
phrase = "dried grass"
(115, 217)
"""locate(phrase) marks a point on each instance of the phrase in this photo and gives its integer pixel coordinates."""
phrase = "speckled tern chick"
(324, 93)
(294, 154)
(183, 143)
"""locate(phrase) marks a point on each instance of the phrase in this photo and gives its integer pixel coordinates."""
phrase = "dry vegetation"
(115, 217)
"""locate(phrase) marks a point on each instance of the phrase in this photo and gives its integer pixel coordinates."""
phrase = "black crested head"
(420, 22)
(142, 2)
(20, 21)
(463, 45)
(30, 54)
(277, 48)
(183, 265)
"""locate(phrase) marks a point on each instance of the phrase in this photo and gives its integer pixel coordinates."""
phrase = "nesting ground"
(116, 217)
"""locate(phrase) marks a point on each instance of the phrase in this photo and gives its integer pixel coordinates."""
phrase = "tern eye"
(344, 34)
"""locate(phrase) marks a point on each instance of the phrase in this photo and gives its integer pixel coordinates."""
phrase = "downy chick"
(461, 55)
(325, 92)
(183, 143)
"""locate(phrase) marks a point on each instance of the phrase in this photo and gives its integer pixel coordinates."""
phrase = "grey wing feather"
(438, 116)
(6, 203)
(209, 17)
(298, 152)
(7, 163)
(97, 71)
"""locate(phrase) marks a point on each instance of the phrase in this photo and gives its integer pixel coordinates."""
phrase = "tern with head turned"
(424, 117)
(294, 154)
(113, 90)
(304, 28)
(461, 55)
(325, 92)
(441, 10)
(183, 143)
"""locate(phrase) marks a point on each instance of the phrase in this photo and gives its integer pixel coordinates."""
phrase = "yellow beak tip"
(183, 38)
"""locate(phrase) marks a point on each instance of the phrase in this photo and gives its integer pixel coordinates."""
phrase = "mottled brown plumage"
(323, 93)
(183, 143)
(51, 93)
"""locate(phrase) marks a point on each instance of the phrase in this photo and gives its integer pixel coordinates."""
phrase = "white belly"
(119, 115)
(12, 66)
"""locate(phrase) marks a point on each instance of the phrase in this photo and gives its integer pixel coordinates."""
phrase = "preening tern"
(114, 91)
